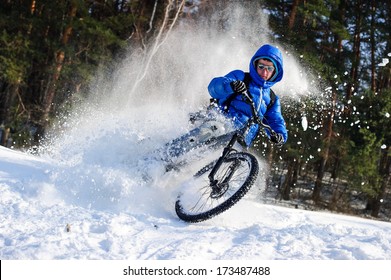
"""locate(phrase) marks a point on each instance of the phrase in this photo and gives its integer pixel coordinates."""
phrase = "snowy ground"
(94, 193)
(36, 205)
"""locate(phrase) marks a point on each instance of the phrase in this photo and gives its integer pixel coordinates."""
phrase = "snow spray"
(102, 146)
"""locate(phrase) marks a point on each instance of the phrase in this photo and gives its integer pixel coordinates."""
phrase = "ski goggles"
(267, 67)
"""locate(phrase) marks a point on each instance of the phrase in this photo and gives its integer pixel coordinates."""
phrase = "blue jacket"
(259, 89)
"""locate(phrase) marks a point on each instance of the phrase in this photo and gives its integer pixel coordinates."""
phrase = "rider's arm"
(220, 87)
(274, 118)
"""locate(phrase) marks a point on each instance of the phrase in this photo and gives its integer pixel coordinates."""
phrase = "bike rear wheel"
(203, 200)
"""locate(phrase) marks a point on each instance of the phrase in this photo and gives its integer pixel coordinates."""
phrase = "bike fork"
(226, 151)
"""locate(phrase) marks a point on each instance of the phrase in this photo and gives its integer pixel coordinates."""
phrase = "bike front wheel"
(203, 199)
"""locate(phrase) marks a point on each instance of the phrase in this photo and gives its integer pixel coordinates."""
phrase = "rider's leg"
(213, 127)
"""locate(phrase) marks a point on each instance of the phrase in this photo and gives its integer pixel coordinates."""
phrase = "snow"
(384, 62)
(35, 210)
(304, 122)
(96, 191)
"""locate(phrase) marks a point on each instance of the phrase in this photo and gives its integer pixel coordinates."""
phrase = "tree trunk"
(356, 53)
(373, 46)
(290, 179)
(326, 150)
(374, 204)
(59, 61)
(292, 16)
(7, 103)
(32, 6)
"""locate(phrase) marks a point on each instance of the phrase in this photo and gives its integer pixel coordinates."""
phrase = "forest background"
(50, 52)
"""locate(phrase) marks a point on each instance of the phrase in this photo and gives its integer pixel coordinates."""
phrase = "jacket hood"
(272, 53)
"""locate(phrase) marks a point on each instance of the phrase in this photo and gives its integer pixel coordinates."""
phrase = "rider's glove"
(238, 86)
(277, 139)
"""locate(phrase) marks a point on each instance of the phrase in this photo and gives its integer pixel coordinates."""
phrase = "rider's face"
(264, 70)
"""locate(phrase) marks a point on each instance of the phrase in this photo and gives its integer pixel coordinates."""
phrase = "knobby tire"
(241, 180)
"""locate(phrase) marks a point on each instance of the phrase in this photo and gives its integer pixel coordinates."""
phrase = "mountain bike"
(220, 184)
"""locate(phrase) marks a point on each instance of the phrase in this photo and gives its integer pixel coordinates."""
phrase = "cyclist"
(230, 91)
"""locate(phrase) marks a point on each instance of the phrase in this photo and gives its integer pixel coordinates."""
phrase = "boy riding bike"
(233, 94)
(230, 91)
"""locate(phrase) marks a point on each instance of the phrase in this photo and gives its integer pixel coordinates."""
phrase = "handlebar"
(257, 118)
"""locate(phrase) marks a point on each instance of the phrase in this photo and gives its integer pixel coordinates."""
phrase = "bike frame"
(239, 137)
